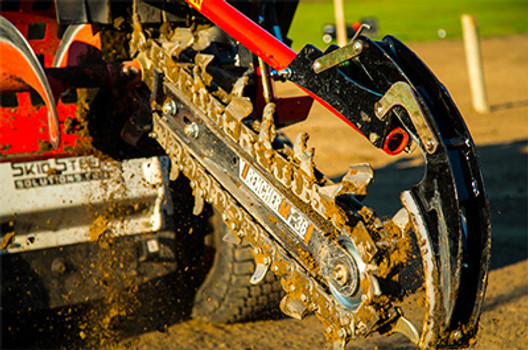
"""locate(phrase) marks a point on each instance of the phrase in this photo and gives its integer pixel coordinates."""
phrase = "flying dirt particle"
(98, 228)
(8, 237)
(118, 23)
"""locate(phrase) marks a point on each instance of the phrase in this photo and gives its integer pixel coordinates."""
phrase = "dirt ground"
(502, 140)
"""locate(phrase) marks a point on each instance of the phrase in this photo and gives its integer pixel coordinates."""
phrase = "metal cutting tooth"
(239, 86)
(231, 237)
(199, 201)
(358, 177)
(330, 192)
(304, 155)
(267, 131)
(300, 144)
(259, 274)
(405, 327)
(181, 39)
(402, 220)
(174, 171)
(307, 162)
(239, 107)
(293, 307)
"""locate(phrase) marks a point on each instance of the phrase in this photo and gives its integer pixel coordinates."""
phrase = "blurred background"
(411, 20)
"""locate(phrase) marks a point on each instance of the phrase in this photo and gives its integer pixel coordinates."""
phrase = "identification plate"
(292, 216)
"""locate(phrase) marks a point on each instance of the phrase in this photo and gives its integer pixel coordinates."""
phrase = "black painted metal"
(451, 194)
(454, 188)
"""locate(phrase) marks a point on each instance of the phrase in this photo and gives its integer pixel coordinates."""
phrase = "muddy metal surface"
(159, 316)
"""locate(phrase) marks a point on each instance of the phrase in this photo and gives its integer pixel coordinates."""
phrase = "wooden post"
(474, 64)
(341, 32)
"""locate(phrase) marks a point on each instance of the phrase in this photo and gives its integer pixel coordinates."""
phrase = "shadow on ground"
(155, 306)
(505, 169)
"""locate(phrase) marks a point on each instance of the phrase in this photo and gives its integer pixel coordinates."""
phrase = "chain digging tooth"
(330, 192)
(359, 176)
(304, 155)
(239, 108)
(293, 307)
(307, 162)
(267, 131)
(174, 171)
(283, 171)
(405, 327)
(181, 39)
(402, 220)
(231, 237)
(259, 274)
(203, 60)
(240, 85)
(300, 144)
(198, 201)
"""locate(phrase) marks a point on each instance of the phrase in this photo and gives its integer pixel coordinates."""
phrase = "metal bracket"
(402, 94)
(334, 58)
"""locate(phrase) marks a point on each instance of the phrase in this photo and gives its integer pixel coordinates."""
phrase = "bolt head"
(191, 130)
(169, 108)
(358, 47)
(340, 274)
(429, 145)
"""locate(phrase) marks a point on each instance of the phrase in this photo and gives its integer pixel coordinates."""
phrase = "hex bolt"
(169, 108)
(191, 130)
(429, 145)
(358, 47)
(285, 73)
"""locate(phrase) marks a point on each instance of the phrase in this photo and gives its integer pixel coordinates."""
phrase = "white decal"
(273, 199)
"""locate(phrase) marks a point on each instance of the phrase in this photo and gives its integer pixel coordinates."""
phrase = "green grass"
(412, 20)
